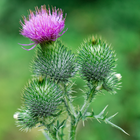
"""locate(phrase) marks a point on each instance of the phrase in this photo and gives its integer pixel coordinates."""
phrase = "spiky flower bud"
(25, 120)
(111, 83)
(42, 99)
(96, 60)
(57, 63)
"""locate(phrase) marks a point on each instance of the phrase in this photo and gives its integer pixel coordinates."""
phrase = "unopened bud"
(118, 75)
(93, 40)
(99, 87)
(15, 116)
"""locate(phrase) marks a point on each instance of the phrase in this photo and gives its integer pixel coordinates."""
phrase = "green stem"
(68, 104)
(71, 113)
(73, 128)
(87, 102)
(51, 133)
(46, 46)
(61, 135)
(74, 117)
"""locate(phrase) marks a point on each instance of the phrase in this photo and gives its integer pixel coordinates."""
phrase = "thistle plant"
(48, 95)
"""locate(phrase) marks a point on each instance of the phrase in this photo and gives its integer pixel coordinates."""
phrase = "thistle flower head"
(43, 25)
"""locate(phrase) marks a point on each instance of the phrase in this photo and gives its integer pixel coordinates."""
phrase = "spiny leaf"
(103, 117)
(114, 125)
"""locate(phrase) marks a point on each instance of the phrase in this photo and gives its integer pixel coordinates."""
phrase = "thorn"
(98, 120)
(105, 108)
(102, 112)
(109, 118)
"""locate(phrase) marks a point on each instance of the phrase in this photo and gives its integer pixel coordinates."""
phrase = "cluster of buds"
(41, 101)
(96, 61)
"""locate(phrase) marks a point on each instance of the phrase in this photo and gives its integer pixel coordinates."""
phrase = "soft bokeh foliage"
(116, 21)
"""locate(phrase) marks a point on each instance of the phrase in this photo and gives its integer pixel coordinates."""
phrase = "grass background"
(116, 21)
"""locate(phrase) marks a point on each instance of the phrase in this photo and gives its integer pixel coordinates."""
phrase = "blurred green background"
(116, 21)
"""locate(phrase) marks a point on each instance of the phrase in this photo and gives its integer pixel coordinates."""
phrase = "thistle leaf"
(102, 116)
(114, 125)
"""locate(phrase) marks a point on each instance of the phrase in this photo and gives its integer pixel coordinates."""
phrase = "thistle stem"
(68, 104)
(50, 133)
(71, 113)
(46, 46)
(87, 102)
(73, 129)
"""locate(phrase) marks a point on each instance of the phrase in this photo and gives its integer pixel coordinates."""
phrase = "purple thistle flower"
(43, 26)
